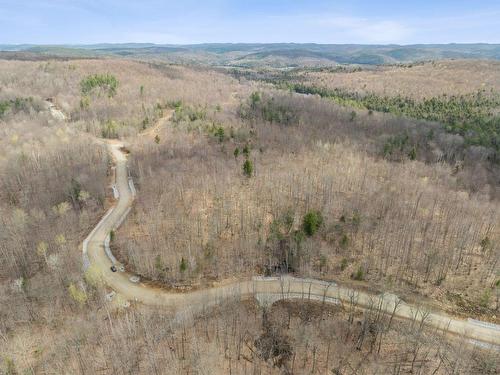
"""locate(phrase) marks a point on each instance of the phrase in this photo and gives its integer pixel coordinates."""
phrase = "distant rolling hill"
(275, 55)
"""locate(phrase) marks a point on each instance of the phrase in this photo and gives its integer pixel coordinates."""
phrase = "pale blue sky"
(188, 21)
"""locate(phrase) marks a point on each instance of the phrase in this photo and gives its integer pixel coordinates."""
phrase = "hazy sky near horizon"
(300, 21)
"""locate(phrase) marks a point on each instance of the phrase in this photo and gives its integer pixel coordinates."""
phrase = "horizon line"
(246, 43)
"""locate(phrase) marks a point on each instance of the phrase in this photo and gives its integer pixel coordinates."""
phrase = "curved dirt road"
(266, 290)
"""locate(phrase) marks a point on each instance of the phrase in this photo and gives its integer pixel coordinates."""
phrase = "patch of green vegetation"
(188, 114)
(74, 192)
(84, 102)
(105, 82)
(267, 109)
(197, 119)
(246, 150)
(4, 106)
(398, 143)
(16, 105)
(413, 153)
(174, 104)
(275, 113)
(77, 294)
(333, 69)
(312, 222)
(359, 275)
(220, 134)
(248, 168)
(486, 244)
(254, 99)
(110, 129)
(470, 115)
(183, 266)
